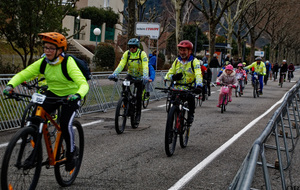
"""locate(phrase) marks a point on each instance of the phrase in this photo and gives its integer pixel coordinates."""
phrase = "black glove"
(177, 76)
(198, 90)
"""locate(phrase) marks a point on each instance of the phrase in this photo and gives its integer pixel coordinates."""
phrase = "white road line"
(191, 174)
(92, 123)
(146, 110)
(83, 125)
(3, 145)
(161, 106)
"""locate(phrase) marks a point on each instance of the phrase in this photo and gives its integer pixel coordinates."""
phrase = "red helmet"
(186, 44)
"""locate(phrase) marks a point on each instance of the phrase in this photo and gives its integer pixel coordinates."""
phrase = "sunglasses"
(132, 47)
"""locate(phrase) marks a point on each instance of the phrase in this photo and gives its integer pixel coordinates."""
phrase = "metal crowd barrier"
(283, 131)
(103, 95)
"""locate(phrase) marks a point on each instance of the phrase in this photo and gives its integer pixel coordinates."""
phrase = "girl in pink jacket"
(227, 78)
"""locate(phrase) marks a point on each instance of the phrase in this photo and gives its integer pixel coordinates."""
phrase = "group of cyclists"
(187, 71)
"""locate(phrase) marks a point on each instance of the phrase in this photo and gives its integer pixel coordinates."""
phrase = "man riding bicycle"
(283, 70)
(137, 63)
(54, 45)
(260, 69)
(291, 70)
(186, 71)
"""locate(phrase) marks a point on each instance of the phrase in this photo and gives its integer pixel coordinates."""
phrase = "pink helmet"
(240, 65)
(229, 67)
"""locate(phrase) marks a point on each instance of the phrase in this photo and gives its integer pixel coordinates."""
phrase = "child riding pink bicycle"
(228, 79)
(241, 76)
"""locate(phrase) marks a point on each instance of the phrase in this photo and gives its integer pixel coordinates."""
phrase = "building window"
(106, 3)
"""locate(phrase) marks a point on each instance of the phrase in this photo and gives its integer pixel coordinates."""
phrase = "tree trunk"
(212, 39)
(178, 7)
(131, 18)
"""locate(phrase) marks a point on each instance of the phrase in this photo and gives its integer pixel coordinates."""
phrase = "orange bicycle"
(23, 158)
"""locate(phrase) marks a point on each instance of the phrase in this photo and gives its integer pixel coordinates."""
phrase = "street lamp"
(197, 22)
(140, 5)
(97, 32)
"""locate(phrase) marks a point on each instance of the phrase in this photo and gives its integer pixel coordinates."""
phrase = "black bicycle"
(127, 106)
(281, 80)
(177, 119)
(255, 84)
(290, 75)
(23, 158)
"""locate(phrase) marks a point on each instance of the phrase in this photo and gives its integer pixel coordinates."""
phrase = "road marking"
(146, 110)
(3, 145)
(164, 105)
(192, 173)
(83, 125)
(92, 123)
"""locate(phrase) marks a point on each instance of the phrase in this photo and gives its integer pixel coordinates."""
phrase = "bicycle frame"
(43, 129)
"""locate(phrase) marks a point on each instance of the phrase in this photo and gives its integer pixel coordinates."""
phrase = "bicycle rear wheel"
(18, 171)
(145, 99)
(185, 129)
(171, 131)
(134, 118)
(121, 115)
(63, 177)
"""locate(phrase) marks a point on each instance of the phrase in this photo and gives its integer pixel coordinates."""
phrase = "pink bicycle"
(225, 97)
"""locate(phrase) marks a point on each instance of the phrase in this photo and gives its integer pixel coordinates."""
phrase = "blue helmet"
(134, 42)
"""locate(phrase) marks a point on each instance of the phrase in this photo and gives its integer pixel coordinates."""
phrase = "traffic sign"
(147, 29)
(259, 53)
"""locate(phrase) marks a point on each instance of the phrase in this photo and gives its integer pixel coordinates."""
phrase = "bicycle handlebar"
(18, 97)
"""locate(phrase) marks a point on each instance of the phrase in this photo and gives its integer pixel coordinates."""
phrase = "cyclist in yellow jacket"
(137, 62)
(186, 71)
(260, 68)
(54, 45)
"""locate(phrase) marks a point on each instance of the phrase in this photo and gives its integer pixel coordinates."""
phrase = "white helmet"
(284, 60)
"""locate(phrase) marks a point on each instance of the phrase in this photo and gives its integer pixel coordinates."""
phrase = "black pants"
(139, 92)
(191, 103)
(66, 118)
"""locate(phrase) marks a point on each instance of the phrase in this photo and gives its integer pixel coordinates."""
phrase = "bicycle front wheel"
(66, 178)
(121, 115)
(171, 131)
(223, 106)
(20, 170)
(168, 102)
(254, 90)
(28, 112)
(257, 89)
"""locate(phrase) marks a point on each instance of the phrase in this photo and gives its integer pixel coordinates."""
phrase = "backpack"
(82, 65)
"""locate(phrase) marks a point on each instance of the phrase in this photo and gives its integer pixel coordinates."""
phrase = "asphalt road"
(136, 159)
